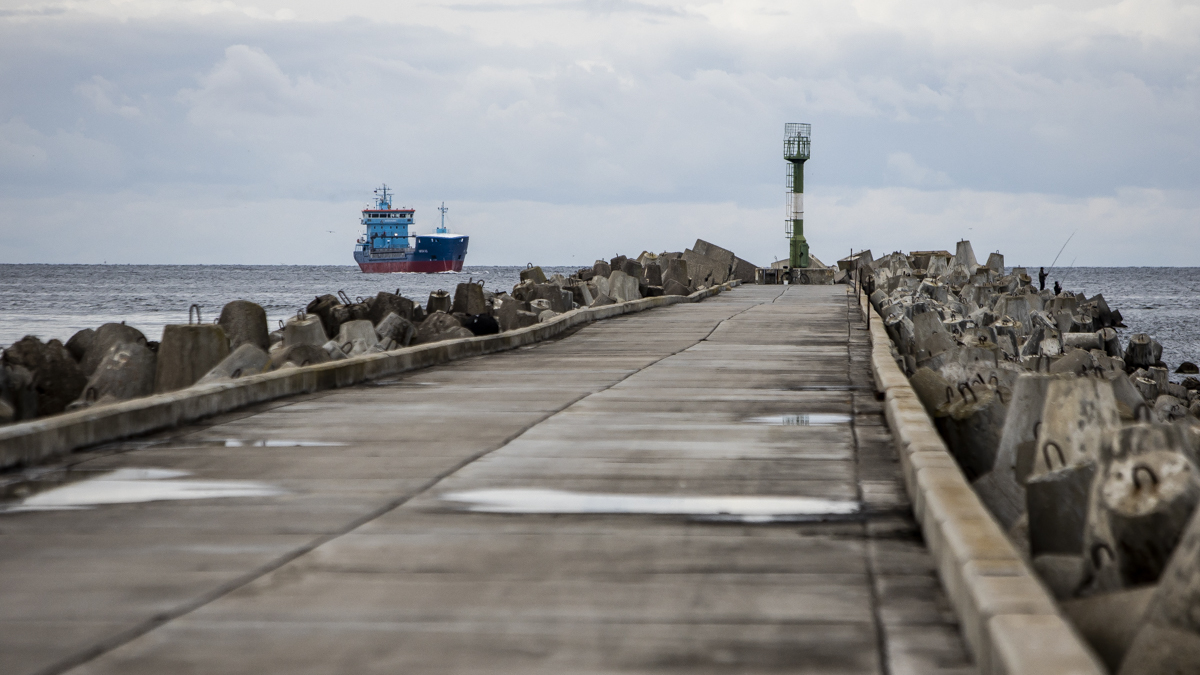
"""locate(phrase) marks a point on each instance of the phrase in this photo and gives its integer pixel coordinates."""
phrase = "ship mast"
(382, 198)
(443, 209)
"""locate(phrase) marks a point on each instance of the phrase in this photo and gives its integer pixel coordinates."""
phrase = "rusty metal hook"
(344, 298)
(1141, 466)
(1101, 546)
(1046, 453)
(949, 393)
(195, 308)
(967, 386)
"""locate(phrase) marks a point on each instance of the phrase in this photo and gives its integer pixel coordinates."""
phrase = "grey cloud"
(225, 109)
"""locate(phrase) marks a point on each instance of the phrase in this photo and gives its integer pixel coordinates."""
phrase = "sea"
(55, 301)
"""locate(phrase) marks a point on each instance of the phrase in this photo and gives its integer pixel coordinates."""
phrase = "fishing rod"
(1069, 269)
(1064, 247)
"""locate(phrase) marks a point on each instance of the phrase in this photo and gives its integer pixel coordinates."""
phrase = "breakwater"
(116, 362)
(1076, 439)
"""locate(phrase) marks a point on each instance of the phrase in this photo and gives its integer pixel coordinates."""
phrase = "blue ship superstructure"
(385, 247)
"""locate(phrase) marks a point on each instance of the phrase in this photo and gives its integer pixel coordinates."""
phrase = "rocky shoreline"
(1079, 445)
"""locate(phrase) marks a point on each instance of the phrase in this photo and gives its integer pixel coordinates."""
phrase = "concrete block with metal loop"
(188, 352)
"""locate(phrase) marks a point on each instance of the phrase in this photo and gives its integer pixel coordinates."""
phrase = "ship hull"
(431, 253)
(426, 266)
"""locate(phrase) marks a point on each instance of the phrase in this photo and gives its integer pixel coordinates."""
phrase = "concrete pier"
(370, 559)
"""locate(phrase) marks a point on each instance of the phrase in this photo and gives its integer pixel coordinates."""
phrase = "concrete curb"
(1010, 621)
(39, 440)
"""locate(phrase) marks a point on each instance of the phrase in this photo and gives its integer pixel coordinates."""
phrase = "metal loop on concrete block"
(1062, 458)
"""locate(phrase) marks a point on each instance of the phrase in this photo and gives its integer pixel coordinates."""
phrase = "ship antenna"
(443, 209)
(384, 200)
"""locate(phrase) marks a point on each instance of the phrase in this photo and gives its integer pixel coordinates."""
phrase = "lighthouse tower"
(795, 151)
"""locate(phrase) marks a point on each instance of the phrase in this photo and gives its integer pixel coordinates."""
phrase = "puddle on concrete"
(399, 383)
(802, 420)
(746, 509)
(831, 387)
(132, 486)
(264, 443)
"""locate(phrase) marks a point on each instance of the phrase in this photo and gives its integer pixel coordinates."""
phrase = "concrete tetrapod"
(1110, 621)
(506, 312)
(245, 322)
(468, 299)
(602, 300)
(930, 336)
(304, 330)
(622, 287)
(971, 427)
(390, 303)
(534, 274)
(126, 372)
(677, 271)
(1078, 413)
(187, 353)
(298, 355)
(79, 343)
(357, 331)
(105, 337)
(397, 329)
(439, 301)
(1168, 642)
(57, 378)
(1142, 352)
(248, 359)
(1003, 488)
(322, 306)
(440, 326)
(1142, 500)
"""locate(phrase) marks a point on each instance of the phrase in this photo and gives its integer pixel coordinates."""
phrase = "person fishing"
(1042, 279)
(1057, 288)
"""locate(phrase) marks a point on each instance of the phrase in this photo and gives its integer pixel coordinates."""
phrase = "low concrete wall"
(43, 439)
(1010, 621)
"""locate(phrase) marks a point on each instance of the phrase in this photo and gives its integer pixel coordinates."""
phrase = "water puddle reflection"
(132, 486)
(748, 509)
(264, 443)
(802, 420)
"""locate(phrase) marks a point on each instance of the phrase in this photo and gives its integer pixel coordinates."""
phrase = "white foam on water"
(802, 420)
(744, 508)
(133, 486)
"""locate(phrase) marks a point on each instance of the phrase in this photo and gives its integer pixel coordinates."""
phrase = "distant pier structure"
(795, 151)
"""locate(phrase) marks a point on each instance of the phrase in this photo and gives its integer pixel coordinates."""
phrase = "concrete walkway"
(371, 560)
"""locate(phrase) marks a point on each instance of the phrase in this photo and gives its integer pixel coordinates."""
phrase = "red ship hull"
(427, 266)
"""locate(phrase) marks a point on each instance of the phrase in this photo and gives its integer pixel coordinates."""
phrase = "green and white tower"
(795, 151)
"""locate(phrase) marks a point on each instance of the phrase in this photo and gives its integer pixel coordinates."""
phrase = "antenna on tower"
(443, 208)
(795, 151)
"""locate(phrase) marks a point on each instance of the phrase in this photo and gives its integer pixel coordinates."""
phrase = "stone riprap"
(1084, 452)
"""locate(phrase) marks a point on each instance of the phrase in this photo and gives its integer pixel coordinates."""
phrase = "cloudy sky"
(559, 131)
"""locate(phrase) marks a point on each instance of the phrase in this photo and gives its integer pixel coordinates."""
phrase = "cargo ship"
(386, 247)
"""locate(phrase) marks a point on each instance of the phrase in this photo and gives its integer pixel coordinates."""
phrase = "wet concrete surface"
(366, 557)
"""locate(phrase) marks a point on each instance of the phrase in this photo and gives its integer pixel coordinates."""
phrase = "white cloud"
(101, 93)
(247, 82)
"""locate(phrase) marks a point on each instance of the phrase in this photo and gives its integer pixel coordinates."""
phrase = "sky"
(562, 131)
